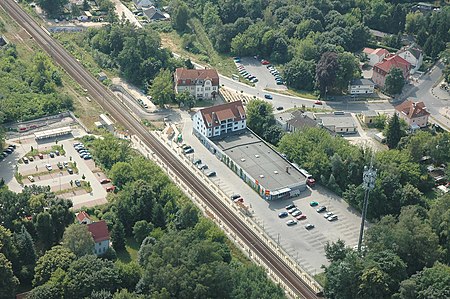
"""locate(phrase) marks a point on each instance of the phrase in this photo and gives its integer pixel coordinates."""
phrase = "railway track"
(119, 112)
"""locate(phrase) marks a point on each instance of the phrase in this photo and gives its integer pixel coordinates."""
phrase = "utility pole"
(369, 176)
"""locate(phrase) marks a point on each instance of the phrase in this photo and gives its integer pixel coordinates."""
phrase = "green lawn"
(293, 92)
(130, 252)
(321, 278)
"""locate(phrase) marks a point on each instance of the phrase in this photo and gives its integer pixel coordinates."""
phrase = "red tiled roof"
(368, 51)
(190, 76)
(99, 231)
(380, 52)
(394, 61)
(213, 115)
(412, 109)
(82, 215)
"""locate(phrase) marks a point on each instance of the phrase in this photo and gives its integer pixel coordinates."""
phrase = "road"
(109, 102)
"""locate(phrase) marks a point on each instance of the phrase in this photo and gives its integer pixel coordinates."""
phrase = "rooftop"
(362, 82)
(215, 114)
(412, 109)
(82, 215)
(259, 160)
(369, 113)
(301, 120)
(340, 120)
(189, 75)
(394, 61)
(99, 231)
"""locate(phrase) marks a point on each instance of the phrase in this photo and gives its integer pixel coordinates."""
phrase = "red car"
(105, 181)
(41, 156)
(301, 217)
(265, 62)
(110, 188)
(318, 102)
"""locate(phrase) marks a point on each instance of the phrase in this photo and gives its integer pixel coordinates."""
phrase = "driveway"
(121, 10)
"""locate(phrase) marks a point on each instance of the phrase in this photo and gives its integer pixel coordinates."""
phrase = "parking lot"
(306, 246)
(83, 186)
(265, 78)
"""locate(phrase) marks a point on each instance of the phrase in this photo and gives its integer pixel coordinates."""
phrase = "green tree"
(58, 257)
(27, 254)
(300, 73)
(185, 99)
(394, 81)
(180, 16)
(121, 173)
(259, 116)
(48, 291)
(8, 282)
(187, 216)
(110, 150)
(393, 132)
(78, 239)
(336, 251)
(141, 230)
(52, 7)
(439, 217)
(129, 274)
(118, 236)
(348, 69)
(162, 88)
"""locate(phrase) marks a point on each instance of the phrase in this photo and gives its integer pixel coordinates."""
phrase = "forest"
(29, 90)
(181, 254)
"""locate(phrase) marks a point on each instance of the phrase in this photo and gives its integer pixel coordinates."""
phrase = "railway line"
(119, 112)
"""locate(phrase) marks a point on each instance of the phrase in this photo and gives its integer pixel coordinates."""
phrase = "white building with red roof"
(383, 68)
(221, 119)
(375, 55)
(413, 55)
(100, 233)
(83, 218)
(415, 114)
(202, 84)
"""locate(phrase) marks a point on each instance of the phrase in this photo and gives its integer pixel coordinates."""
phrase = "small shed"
(369, 116)
(102, 76)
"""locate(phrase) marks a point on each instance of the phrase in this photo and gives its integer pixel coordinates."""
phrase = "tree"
(110, 150)
(27, 254)
(162, 88)
(78, 239)
(187, 216)
(58, 257)
(348, 70)
(118, 235)
(141, 230)
(8, 282)
(336, 251)
(393, 132)
(326, 71)
(158, 217)
(394, 81)
(259, 116)
(129, 274)
(185, 99)
(431, 282)
(300, 73)
(180, 16)
(121, 173)
(52, 7)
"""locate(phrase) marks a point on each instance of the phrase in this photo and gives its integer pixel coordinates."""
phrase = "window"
(207, 88)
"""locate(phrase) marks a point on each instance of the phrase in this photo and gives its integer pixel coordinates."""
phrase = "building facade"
(100, 234)
(361, 86)
(221, 119)
(413, 55)
(382, 69)
(201, 84)
(375, 56)
(415, 114)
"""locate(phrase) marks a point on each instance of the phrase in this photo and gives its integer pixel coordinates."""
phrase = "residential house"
(83, 218)
(154, 14)
(382, 69)
(300, 121)
(338, 122)
(221, 119)
(141, 4)
(415, 114)
(369, 116)
(202, 84)
(375, 55)
(413, 55)
(361, 86)
(100, 233)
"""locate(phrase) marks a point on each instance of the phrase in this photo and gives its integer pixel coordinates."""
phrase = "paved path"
(121, 10)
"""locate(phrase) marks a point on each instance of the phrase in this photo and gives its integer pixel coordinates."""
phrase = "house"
(202, 84)
(140, 4)
(100, 233)
(375, 55)
(413, 55)
(361, 86)
(154, 14)
(415, 114)
(337, 122)
(83, 218)
(382, 69)
(220, 119)
(368, 116)
(299, 121)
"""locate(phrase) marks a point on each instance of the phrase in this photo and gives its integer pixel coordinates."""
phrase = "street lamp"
(369, 176)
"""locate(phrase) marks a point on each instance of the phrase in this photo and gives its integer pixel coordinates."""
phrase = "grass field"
(130, 252)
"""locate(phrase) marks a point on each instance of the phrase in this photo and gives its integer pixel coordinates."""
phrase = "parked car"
(283, 214)
(70, 170)
(265, 62)
(188, 151)
(313, 203)
(297, 213)
(185, 146)
(268, 96)
(41, 156)
(300, 217)
(290, 211)
(105, 181)
(202, 166)
(8, 151)
(78, 183)
(291, 206)
(318, 102)
(110, 188)
(31, 178)
(328, 214)
(280, 108)
(31, 158)
(234, 196)
(59, 164)
(197, 161)
(332, 218)
(87, 157)
(66, 164)
(211, 173)
(76, 144)
(52, 154)
(309, 226)
(25, 160)
(321, 209)
(240, 199)
(291, 222)
(49, 167)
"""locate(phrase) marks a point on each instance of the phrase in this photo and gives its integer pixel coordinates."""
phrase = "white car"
(31, 178)
(328, 214)
(49, 167)
(291, 222)
(297, 213)
(332, 218)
